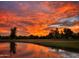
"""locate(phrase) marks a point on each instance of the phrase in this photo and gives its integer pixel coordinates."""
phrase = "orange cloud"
(36, 21)
(75, 28)
(66, 10)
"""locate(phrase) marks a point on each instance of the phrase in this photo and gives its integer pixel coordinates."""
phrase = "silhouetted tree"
(0, 37)
(77, 36)
(12, 44)
(56, 33)
(61, 35)
(13, 33)
(68, 33)
(50, 35)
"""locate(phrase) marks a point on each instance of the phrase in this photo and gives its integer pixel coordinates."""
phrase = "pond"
(29, 50)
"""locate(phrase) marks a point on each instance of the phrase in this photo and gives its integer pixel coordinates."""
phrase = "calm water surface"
(28, 50)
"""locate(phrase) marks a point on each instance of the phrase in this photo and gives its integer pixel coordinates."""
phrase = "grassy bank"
(72, 46)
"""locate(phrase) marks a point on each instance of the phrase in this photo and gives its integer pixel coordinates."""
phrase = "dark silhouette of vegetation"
(13, 33)
(56, 33)
(67, 34)
(12, 44)
(12, 48)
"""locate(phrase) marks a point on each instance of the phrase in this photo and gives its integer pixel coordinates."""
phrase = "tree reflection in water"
(28, 50)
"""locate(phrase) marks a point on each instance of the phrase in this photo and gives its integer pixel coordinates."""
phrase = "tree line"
(65, 35)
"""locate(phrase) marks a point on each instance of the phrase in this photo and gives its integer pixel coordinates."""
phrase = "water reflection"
(65, 54)
(29, 50)
(12, 48)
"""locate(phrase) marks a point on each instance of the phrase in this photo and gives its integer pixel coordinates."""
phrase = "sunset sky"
(38, 18)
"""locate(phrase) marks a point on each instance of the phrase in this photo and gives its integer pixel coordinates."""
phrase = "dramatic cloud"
(36, 18)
